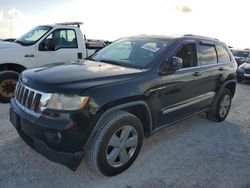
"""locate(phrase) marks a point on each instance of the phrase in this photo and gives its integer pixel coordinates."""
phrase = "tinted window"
(207, 55)
(188, 55)
(63, 38)
(223, 55)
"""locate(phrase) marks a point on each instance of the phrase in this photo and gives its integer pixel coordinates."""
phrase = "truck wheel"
(117, 144)
(8, 80)
(221, 109)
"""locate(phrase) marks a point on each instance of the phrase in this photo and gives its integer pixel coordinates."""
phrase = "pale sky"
(226, 20)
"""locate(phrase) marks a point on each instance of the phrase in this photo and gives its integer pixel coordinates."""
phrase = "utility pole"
(11, 26)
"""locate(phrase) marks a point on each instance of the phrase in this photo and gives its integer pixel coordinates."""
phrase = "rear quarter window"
(223, 55)
(207, 54)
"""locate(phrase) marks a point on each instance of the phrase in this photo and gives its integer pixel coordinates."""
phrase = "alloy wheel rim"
(122, 146)
(7, 88)
(224, 106)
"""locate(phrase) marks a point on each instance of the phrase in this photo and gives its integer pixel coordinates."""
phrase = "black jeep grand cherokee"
(104, 106)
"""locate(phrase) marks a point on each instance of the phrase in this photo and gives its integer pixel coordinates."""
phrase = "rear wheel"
(8, 80)
(222, 107)
(117, 144)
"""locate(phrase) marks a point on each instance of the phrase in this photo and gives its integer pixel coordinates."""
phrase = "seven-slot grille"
(27, 97)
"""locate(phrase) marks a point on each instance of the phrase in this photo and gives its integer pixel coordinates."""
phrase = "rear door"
(66, 47)
(208, 72)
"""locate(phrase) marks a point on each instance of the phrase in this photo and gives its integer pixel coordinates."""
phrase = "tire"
(110, 152)
(8, 80)
(222, 107)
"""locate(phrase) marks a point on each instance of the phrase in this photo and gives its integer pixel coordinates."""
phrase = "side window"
(223, 55)
(207, 55)
(188, 55)
(63, 38)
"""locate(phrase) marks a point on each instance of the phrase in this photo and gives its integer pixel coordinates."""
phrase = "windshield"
(240, 53)
(33, 36)
(136, 53)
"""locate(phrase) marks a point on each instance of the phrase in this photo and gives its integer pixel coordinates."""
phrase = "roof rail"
(70, 23)
(200, 36)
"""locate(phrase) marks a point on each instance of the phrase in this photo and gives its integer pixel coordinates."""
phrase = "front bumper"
(243, 76)
(62, 145)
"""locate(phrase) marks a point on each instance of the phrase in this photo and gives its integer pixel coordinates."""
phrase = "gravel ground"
(194, 153)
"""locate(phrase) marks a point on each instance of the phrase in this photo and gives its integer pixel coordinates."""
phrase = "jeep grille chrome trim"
(28, 98)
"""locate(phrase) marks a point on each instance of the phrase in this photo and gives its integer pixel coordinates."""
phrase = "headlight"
(64, 102)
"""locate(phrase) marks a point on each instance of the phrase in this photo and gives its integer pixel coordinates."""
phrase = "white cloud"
(184, 9)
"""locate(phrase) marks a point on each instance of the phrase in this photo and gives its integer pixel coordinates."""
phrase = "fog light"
(54, 137)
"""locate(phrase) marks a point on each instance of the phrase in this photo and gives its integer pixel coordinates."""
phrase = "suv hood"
(245, 66)
(76, 77)
(4, 45)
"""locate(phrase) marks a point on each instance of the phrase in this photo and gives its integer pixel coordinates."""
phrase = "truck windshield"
(136, 53)
(33, 36)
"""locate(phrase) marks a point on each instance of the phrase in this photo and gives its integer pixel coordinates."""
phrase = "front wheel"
(8, 80)
(222, 107)
(117, 144)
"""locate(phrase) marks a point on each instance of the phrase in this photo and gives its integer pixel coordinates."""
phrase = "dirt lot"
(194, 153)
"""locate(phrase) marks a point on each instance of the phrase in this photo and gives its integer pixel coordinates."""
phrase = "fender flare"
(113, 109)
(218, 94)
(12, 67)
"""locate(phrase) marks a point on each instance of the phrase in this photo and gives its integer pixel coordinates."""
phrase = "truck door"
(60, 46)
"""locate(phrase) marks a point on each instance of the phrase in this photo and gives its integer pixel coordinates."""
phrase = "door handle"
(221, 69)
(79, 55)
(197, 74)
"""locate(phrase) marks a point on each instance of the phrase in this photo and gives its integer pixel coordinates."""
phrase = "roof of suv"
(173, 37)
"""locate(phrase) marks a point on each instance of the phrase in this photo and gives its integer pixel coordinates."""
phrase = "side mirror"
(171, 65)
(47, 45)
(175, 63)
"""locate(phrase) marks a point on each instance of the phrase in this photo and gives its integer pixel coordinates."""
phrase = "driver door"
(178, 89)
(65, 47)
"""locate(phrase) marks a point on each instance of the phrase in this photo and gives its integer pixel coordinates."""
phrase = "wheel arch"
(138, 108)
(13, 67)
(230, 84)
(141, 110)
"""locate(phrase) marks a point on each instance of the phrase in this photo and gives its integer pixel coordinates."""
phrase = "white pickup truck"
(42, 45)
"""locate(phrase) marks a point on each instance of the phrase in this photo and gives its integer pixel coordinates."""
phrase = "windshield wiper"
(19, 42)
(110, 61)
